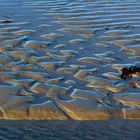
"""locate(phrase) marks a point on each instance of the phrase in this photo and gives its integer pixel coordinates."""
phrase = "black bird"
(127, 72)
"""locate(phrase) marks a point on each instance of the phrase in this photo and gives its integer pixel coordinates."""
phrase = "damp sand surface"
(61, 60)
(70, 130)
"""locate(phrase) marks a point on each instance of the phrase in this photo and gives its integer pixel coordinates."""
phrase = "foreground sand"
(62, 59)
(70, 130)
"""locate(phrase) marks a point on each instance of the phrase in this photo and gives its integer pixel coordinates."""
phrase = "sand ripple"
(62, 60)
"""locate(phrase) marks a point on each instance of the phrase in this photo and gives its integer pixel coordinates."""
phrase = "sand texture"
(61, 59)
(70, 130)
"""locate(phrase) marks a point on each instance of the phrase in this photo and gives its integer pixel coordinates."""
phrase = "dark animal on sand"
(127, 72)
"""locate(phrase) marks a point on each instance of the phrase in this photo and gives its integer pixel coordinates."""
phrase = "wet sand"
(70, 130)
(62, 60)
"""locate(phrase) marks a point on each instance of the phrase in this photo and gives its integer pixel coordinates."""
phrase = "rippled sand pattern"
(61, 59)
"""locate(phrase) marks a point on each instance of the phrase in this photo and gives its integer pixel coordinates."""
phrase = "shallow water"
(61, 59)
(65, 57)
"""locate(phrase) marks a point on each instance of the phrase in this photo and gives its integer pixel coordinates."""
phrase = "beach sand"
(70, 130)
(61, 60)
